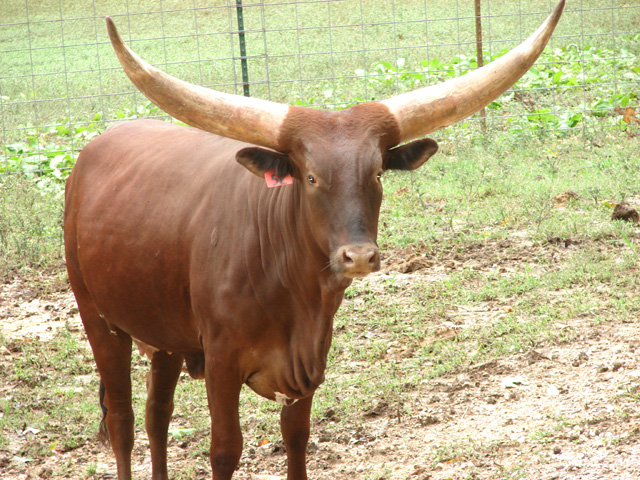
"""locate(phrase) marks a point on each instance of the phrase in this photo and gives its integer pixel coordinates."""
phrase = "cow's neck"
(287, 242)
(299, 279)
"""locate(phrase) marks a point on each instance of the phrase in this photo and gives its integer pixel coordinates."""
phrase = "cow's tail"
(103, 432)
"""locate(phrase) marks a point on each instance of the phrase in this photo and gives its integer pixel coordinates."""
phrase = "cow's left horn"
(247, 119)
(433, 108)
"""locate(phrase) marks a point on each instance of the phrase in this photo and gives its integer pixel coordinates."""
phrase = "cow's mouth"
(358, 274)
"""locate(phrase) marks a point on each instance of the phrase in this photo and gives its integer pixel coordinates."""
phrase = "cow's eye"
(312, 179)
(379, 176)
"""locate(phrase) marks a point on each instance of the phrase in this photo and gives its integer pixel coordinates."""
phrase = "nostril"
(346, 258)
(374, 259)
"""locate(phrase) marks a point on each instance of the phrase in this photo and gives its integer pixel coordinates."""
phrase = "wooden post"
(483, 113)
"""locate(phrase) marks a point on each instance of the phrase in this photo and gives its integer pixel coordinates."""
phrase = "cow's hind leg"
(161, 384)
(112, 354)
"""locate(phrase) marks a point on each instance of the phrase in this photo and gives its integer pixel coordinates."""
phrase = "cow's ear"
(411, 155)
(260, 160)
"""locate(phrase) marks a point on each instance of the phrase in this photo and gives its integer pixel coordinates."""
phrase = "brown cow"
(173, 240)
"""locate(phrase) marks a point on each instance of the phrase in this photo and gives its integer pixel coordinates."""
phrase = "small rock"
(563, 242)
(330, 413)
(533, 356)
(514, 396)
(626, 212)
(485, 365)
(565, 198)
(557, 450)
(378, 410)
(428, 420)
(45, 472)
(553, 391)
(462, 381)
(414, 264)
(4, 350)
(617, 366)
(580, 359)
(277, 447)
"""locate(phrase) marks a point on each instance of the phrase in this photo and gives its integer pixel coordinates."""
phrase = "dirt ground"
(567, 411)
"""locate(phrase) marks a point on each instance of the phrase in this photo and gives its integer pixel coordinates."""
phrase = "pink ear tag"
(273, 180)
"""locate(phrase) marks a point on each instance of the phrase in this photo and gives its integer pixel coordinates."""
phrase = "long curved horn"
(250, 120)
(435, 107)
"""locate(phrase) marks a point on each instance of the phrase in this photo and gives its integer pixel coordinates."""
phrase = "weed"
(92, 469)
(541, 437)
(30, 225)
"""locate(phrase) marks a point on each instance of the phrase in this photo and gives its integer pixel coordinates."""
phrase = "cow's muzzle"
(353, 261)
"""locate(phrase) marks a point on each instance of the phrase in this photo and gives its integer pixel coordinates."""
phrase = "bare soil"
(566, 411)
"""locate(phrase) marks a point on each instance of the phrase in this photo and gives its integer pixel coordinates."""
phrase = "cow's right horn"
(250, 120)
(432, 108)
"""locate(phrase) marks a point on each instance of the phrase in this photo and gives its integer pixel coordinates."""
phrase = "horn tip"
(554, 17)
(112, 30)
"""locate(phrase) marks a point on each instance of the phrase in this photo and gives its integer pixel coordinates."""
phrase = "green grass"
(490, 188)
(30, 225)
(50, 403)
(312, 53)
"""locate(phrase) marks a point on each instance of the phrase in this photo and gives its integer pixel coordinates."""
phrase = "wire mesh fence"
(61, 84)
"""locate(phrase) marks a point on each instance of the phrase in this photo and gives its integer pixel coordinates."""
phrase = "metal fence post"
(243, 49)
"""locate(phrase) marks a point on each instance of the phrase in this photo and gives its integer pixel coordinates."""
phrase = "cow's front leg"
(223, 392)
(295, 425)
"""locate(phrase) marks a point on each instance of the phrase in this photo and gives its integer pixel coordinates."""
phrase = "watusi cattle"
(174, 241)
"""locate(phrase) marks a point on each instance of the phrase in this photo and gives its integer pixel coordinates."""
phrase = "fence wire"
(61, 84)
